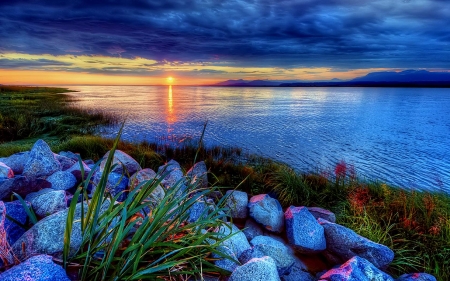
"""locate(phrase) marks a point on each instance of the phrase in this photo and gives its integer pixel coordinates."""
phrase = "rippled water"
(398, 135)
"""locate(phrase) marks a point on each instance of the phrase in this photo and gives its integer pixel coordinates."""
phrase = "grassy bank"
(416, 225)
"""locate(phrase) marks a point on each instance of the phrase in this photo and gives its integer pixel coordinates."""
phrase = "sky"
(142, 42)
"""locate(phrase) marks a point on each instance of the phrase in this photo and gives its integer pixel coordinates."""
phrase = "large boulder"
(141, 176)
(41, 161)
(47, 201)
(116, 183)
(65, 162)
(16, 211)
(356, 269)
(416, 277)
(257, 269)
(125, 164)
(346, 244)
(47, 235)
(16, 161)
(21, 185)
(234, 246)
(62, 180)
(267, 211)
(69, 154)
(237, 202)
(37, 268)
(320, 213)
(267, 246)
(5, 171)
(198, 175)
(172, 175)
(303, 231)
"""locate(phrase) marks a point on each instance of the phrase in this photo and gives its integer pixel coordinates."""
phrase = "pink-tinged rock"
(320, 213)
(303, 231)
(267, 211)
(356, 269)
(5, 171)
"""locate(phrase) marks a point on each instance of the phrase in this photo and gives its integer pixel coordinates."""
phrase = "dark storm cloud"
(332, 33)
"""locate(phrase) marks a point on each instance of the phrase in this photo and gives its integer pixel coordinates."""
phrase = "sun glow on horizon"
(170, 80)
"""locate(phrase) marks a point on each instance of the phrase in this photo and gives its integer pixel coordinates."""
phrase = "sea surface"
(397, 135)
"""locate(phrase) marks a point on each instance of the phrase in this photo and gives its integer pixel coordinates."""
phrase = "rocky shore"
(267, 242)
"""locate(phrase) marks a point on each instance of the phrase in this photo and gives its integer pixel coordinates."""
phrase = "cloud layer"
(339, 35)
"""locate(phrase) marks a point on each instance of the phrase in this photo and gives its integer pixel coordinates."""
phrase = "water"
(398, 135)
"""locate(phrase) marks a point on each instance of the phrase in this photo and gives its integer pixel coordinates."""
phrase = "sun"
(170, 80)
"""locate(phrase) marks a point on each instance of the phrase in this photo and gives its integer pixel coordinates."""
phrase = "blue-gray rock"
(62, 180)
(252, 229)
(16, 161)
(267, 211)
(198, 175)
(345, 243)
(117, 183)
(124, 163)
(37, 268)
(65, 162)
(76, 171)
(16, 211)
(303, 231)
(47, 235)
(237, 202)
(47, 201)
(70, 155)
(141, 176)
(6, 255)
(198, 210)
(322, 214)
(5, 171)
(257, 269)
(173, 175)
(267, 246)
(21, 185)
(234, 246)
(89, 161)
(356, 269)
(416, 277)
(41, 161)
(297, 273)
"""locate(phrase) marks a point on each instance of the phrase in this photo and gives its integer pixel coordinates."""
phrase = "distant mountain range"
(406, 78)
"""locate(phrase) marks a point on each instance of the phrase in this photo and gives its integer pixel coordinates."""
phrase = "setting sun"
(170, 80)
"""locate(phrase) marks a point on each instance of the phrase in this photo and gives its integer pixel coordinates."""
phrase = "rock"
(5, 171)
(47, 235)
(322, 213)
(267, 211)
(346, 244)
(257, 269)
(356, 269)
(16, 211)
(76, 171)
(198, 210)
(16, 161)
(47, 201)
(140, 177)
(69, 154)
(65, 162)
(303, 231)
(6, 256)
(252, 229)
(37, 268)
(416, 277)
(296, 273)
(62, 180)
(125, 163)
(172, 175)
(237, 202)
(41, 161)
(234, 246)
(22, 186)
(198, 175)
(89, 162)
(267, 246)
(116, 184)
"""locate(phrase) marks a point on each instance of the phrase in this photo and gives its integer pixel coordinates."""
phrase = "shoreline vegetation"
(414, 224)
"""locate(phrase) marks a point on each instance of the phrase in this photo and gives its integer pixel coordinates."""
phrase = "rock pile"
(299, 243)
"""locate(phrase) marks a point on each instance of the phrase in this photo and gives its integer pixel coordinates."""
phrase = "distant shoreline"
(369, 84)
